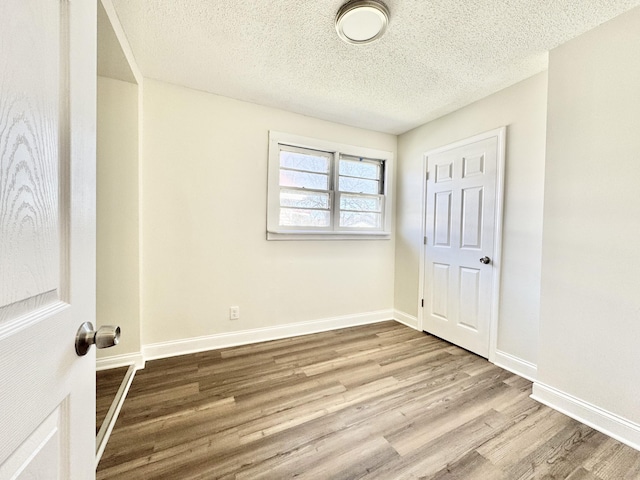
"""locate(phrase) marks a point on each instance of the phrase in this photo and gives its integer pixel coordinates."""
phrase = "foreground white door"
(47, 237)
(460, 249)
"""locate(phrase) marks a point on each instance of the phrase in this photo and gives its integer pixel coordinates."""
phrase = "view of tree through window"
(306, 192)
(307, 202)
(363, 178)
(318, 188)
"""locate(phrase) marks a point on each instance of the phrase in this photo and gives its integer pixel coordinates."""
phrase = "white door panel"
(461, 225)
(47, 237)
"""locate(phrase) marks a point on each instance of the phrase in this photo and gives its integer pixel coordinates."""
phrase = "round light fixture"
(362, 21)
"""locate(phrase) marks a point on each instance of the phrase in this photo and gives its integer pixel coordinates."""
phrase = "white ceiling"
(112, 62)
(437, 55)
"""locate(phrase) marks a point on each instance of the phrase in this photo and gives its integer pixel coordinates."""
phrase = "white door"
(460, 248)
(47, 237)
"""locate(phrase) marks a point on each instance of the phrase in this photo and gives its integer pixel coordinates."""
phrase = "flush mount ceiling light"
(362, 21)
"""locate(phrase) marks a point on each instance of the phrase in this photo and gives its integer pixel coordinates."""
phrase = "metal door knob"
(485, 260)
(106, 336)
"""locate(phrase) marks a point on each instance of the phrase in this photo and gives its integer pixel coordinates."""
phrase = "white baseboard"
(516, 365)
(606, 422)
(135, 359)
(243, 337)
(406, 319)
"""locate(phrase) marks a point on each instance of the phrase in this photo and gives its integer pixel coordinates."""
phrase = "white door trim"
(501, 134)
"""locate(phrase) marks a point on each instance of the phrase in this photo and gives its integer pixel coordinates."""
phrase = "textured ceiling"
(437, 55)
(112, 62)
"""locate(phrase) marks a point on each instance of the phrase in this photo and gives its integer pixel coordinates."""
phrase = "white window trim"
(275, 232)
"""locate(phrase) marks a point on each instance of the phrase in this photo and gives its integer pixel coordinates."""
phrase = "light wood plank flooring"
(377, 402)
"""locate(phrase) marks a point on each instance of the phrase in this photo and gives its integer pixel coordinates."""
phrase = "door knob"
(485, 260)
(106, 336)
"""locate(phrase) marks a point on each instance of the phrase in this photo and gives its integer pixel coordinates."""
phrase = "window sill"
(314, 235)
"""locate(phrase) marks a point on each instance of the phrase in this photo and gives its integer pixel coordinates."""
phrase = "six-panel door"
(460, 230)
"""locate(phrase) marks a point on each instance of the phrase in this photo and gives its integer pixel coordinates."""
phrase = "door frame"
(135, 360)
(501, 134)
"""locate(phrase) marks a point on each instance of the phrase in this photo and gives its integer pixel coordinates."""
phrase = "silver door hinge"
(425, 240)
(427, 175)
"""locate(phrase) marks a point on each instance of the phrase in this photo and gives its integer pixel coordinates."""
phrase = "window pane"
(298, 217)
(359, 185)
(359, 203)
(301, 199)
(355, 168)
(292, 178)
(300, 161)
(361, 219)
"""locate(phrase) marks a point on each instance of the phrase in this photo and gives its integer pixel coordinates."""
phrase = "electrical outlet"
(234, 313)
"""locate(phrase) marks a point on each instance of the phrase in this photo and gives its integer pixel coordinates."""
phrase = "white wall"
(117, 213)
(204, 180)
(522, 108)
(590, 303)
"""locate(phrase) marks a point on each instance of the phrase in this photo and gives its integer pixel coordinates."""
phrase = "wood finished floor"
(377, 402)
(107, 385)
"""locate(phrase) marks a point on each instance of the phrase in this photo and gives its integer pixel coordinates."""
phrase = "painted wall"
(117, 213)
(204, 180)
(590, 296)
(522, 108)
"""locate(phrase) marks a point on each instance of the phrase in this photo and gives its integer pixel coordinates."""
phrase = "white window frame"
(277, 232)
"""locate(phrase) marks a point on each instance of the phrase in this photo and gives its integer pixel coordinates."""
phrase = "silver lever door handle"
(106, 336)
(485, 260)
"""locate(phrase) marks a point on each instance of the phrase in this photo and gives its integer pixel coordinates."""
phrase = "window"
(319, 189)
